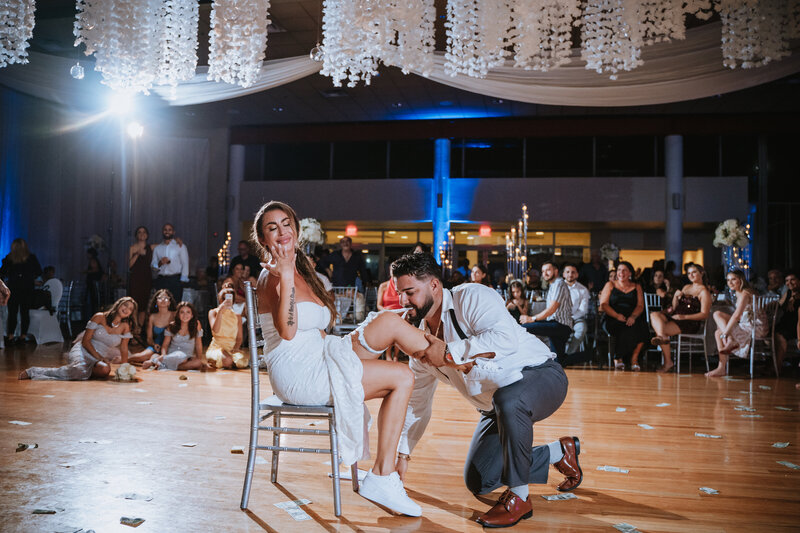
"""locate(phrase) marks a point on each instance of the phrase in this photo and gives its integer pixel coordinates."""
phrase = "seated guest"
(517, 304)
(183, 343)
(622, 301)
(226, 330)
(533, 280)
(387, 295)
(787, 327)
(161, 311)
(104, 340)
(776, 282)
(594, 274)
(480, 274)
(658, 284)
(246, 258)
(326, 283)
(580, 307)
(555, 322)
(734, 332)
(612, 274)
(687, 313)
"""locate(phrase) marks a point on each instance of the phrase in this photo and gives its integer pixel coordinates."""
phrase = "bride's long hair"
(301, 261)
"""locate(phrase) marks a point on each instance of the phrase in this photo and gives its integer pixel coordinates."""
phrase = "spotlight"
(120, 103)
(135, 130)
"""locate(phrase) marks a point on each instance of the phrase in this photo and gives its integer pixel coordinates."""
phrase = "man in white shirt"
(580, 307)
(507, 374)
(171, 261)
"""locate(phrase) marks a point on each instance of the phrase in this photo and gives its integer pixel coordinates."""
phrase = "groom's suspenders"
(456, 324)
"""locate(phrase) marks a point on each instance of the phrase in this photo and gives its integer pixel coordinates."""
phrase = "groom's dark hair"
(419, 265)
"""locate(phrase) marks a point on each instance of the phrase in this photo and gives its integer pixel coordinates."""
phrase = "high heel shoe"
(619, 366)
(635, 367)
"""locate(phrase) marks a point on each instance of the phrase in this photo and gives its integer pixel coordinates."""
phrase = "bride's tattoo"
(291, 308)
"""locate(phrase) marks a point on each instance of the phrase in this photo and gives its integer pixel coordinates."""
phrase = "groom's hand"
(434, 353)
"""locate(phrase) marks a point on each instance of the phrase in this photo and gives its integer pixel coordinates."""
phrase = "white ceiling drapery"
(672, 72)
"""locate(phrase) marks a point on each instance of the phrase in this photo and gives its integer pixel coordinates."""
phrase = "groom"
(506, 373)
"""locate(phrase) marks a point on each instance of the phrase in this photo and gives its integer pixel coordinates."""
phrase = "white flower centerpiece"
(733, 238)
(609, 252)
(311, 234)
(126, 372)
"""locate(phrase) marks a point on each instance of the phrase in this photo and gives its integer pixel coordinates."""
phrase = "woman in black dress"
(139, 257)
(622, 302)
(20, 268)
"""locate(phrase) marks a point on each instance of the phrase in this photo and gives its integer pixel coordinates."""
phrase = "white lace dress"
(312, 370)
(81, 362)
(743, 331)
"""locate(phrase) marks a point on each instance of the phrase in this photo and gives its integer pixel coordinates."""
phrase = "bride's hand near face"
(283, 260)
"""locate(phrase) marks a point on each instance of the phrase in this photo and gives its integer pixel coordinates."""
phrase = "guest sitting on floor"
(622, 301)
(104, 341)
(183, 343)
(161, 311)
(517, 304)
(226, 330)
(689, 310)
(734, 332)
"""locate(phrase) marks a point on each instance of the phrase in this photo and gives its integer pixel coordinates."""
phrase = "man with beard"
(555, 322)
(171, 260)
(507, 374)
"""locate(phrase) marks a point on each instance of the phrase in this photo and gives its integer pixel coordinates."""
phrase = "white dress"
(312, 370)
(81, 362)
(181, 348)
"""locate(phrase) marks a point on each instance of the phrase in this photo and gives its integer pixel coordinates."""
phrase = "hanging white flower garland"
(237, 40)
(139, 43)
(756, 32)
(16, 29)
(478, 32)
(543, 38)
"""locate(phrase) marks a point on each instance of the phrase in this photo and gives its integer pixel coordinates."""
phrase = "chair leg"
(705, 353)
(251, 462)
(337, 497)
(354, 474)
(678, 355)
(276, 441)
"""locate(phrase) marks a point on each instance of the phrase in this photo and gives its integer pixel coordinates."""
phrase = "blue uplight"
(9, 170)
(439, 113)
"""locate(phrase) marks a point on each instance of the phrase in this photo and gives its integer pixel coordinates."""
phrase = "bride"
(308, 367)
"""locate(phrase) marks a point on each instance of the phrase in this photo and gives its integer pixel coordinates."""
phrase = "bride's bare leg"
(388, 329)
(393, 382)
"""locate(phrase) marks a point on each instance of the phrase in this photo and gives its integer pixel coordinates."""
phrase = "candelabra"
(224, 256)
(517, 246)
(446, 255)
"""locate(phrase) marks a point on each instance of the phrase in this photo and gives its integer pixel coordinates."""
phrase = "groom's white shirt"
(489, 327)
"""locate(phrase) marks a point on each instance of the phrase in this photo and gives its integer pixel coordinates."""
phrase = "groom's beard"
(416, 314)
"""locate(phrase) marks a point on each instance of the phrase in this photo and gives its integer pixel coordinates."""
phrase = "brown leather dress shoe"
(508, 510)
(569, 465)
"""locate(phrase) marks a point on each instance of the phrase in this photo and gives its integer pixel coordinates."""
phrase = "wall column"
(235, 179)
(440, 194)
(673, 169)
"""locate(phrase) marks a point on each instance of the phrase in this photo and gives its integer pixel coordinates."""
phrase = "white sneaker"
(389, 492)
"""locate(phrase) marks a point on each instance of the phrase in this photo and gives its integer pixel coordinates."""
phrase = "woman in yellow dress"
(226, 330)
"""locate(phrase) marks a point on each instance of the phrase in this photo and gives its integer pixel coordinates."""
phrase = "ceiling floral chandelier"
(139, 43)
(16, 29)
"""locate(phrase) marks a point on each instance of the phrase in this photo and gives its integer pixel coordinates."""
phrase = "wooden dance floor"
(100, 441)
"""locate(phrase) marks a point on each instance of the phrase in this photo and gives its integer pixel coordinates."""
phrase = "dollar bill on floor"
(132, 522)
(780, 444)
(745, 408)
(765, 387)
(144, 403)
(645, 426)
(707, 436)
(606, 468)
(709, 490)
(555, 497)
(346, 475)
(237, 449)
(219, 417)
(780, 408)
(22, 446)
(790, 465)
(135, 496)
(733, 399)
(626, 528)
(43, 511)
(19, 423)
(664, 404)
(752, 416)
(294, 510)
(621, 409)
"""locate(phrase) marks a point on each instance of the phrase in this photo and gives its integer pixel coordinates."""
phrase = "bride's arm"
(283, 301)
